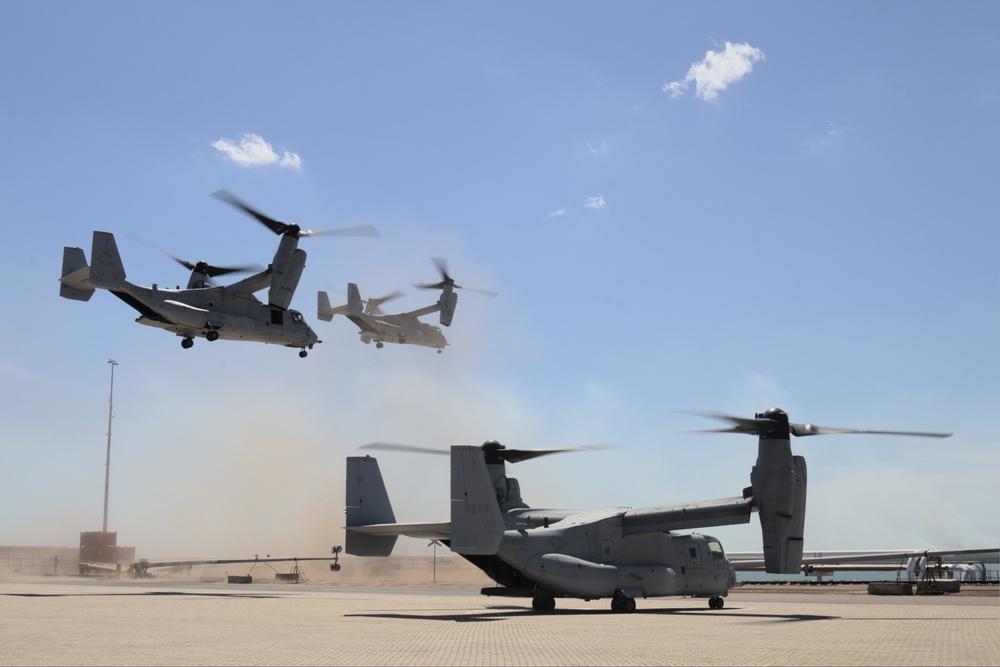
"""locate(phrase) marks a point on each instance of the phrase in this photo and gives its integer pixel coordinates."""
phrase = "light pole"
(435, 543)
(107, 462)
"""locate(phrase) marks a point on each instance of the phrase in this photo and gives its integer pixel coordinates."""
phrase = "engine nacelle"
(779, 490)
(287, 272)
(449, 300)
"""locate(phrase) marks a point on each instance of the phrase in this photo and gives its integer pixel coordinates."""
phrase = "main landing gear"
(715, 602)
(542, 603)
(621, 603)
(187, 342)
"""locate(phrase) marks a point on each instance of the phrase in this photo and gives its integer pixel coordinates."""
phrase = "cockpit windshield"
(296, 316)
(715, 551)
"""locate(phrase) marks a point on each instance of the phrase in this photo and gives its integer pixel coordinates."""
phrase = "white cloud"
(600, 149)
(252, 151)
(717, 71)
(558, 213)
(595, 202)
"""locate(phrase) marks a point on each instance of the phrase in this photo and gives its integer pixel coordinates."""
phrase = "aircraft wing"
(420, 312)
(703, 514)
(362, 324)
(250, 284)
(749, 561)
(434, 530)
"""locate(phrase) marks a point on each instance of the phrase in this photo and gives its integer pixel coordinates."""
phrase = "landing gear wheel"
(187, 342)
(303, 354)
(715, 602)
(543, 604)
(379, 345)
(212, 335)
(620, 603)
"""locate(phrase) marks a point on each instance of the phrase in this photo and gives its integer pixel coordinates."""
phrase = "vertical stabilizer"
(355, 305)
(74, 282)
(367, 503)
(106, 268)
(477, 526)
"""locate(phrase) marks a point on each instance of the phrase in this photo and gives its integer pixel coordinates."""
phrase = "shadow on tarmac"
(142, 593)
(504, 613)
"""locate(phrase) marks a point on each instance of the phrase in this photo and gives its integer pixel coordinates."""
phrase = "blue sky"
(722, 207)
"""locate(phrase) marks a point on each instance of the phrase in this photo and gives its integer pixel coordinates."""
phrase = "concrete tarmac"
(76, 621)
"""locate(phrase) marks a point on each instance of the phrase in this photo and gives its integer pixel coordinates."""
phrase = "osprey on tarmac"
(615, 553)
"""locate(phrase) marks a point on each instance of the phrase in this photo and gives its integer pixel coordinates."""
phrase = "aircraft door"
(694, 574)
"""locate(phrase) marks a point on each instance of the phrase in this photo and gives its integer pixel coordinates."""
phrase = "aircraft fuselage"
(199, 312)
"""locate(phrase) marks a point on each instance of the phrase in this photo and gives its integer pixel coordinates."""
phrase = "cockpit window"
(296, 316)
(716, 552)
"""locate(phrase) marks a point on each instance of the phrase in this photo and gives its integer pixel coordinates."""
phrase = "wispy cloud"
(600, 149)
(252, 151)
(833, 136)
(558, 213)
(595, 202)
(717, 70)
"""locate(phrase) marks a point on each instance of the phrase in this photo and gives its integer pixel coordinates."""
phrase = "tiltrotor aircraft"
(615, 553)
(229, 312)
(403, 328)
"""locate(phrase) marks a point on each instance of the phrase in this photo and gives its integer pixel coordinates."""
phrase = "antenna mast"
(107, 463)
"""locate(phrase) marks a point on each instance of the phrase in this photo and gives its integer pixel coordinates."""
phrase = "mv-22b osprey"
(615, 553)
(229, 312)
(403, 328)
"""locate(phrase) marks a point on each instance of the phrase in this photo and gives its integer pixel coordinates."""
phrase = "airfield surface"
(77, 621)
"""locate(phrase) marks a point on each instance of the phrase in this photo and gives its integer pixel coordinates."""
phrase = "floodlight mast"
(107, 462)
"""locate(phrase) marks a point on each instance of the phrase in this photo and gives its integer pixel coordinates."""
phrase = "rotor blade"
(812, 429)
(763, 426)
(518, 455)
(509, 455)
(202, 267)
(442, 267)
(215, 271)
(484, 292)
(740, 424)
(275, 226)
(358, 231)
(392, 447)
(376, 302)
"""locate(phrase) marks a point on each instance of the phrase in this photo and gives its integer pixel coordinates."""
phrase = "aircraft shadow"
(504, 613)
(84, 595)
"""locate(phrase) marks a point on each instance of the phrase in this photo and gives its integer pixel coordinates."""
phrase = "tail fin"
(106, 264)
(354, 303)
(477, 526)
(367, 503)
(75, 280)
(325, 311)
